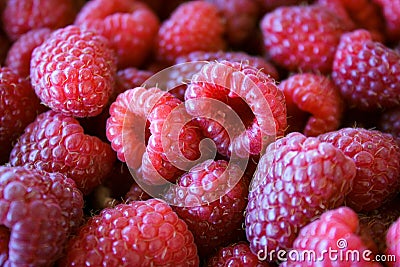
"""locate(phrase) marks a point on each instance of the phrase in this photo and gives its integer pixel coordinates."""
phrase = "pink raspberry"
(254, 97)
(296, 179)
(130, 78)
(377, 159)
(390, 122)
(393, 243)
(318, 96)
(21, 16)
(219, 222)
(336, 230)
(237, 254)
(73, 71)
(55, 142)
(19, 55)
(302, 38)
(19, 106)
(150, 229)
(366, 72)
(130, 26)
(39, 211)
(193, 26)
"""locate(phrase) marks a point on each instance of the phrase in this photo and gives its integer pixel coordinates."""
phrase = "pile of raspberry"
(200, 133)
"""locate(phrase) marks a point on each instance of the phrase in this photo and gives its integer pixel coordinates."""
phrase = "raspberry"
(366, 72)
(296, 179)
(135, 107)
(272, 4)
(335, 230)
(18, 107)
(241, 18)
(39, 211)
(145, 232)
(56, 143)
(391, 13)
(255, 61)
(19, 55)
(302, 38)
(136, 193)
(377, 159)
(218, 222)
(21, 16)
(393, 243)
(238, 254)
(130, 78)
(247, 91)
(193, 26)
(390, 122)
(130, 27)
(317, 95)
(73, 71)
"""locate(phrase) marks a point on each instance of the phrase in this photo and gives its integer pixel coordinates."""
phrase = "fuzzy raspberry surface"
(73, 71)
(297, 179)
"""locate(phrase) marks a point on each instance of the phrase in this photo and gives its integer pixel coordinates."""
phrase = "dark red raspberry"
(302, 37)
(130, 26)
(377, 222)
(272, 4)
(390, 122)
(377, 159)
(19, 55)
(19, 106)
(297, 179)
(73, 71)
(241, 19)
(136, 193)
(366, 72)
(39, 211)
(130, 78)
(252, 94)
(237, 254)
(317, 95)
(214, 223)
(193, 26)
(142, 233)
(56, 143)
(21, 16)
(393, 244)
(358, 14)
(391, 13)
(255, 61)
(337, 231)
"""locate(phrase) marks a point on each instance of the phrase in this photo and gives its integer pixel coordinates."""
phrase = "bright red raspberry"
(193, 26)
(377, 159)
(317, 95)
(39, 211)
(241, 18)
(297, 179)
(253, 96)
(358, 14)
(255, 61)
(73, 71)
(393, 243)
(366, 72)
(130, 26)
(19, 106)
(131, 113)
(19, 56)
(377, 222)
(336, 230)
(142, 233)
(302, 38)
(391, 13)
(237, 254)
(55, 142)
(390, 122)
(21, 16)
(214, 223)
